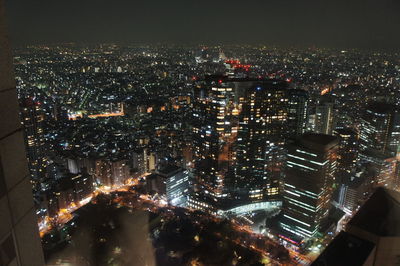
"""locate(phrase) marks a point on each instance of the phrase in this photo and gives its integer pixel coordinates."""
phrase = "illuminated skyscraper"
(271, 113)
(379, 142)
(347, 150)
(349, 182)
(32, 119)
(310, 170)
(240, 128)
(381, 167)
(380, 128)
(214, 119)
(178, 185)
(324, 117)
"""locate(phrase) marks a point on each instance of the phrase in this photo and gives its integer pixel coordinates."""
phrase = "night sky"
(325, 23)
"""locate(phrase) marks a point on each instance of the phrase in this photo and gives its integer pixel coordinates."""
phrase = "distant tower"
(222, 56)
(310, 171)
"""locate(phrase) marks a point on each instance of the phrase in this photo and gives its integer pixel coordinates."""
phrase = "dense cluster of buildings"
(307, 132)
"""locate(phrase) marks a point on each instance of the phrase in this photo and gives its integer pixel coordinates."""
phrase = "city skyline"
(284, 144)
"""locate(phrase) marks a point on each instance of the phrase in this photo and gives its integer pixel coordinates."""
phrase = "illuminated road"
(65, 215)
(62, 217)
(107, 115)
(303, 260)
(141, 201)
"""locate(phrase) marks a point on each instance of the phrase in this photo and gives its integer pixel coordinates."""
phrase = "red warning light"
(240, 66)
(232, 62)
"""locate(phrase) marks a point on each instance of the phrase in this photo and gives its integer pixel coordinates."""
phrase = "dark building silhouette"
(346, 250)
(19, 236)
(371, 237)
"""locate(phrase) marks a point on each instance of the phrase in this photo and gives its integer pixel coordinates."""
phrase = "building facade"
(271, 113)
(380, 128)
(19, 236)
(308, 186)
(32, 119)
(324, 117)
(178, 185)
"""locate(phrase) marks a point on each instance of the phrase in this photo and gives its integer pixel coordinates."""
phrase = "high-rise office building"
(382, 167)
(352, 192)
(324, 117)
(271, 113)
(214, 119)
(310, 169)
(19, 236)
(83, 186)
(347, 150)
(32, 119)
(379, 142)
(380, 128)
(347, 164)
(178, 186)
(240, 128)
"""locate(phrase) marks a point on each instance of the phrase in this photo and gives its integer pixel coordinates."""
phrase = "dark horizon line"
(271, 46)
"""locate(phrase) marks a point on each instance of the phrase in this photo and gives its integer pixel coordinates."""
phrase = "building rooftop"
(345, 250)
(318, 141)
(356, 182)
(169, 170)
(381, 107)
(346, 132)
(380, 215)
(377, 155)
(153, 175)
(228, 79)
